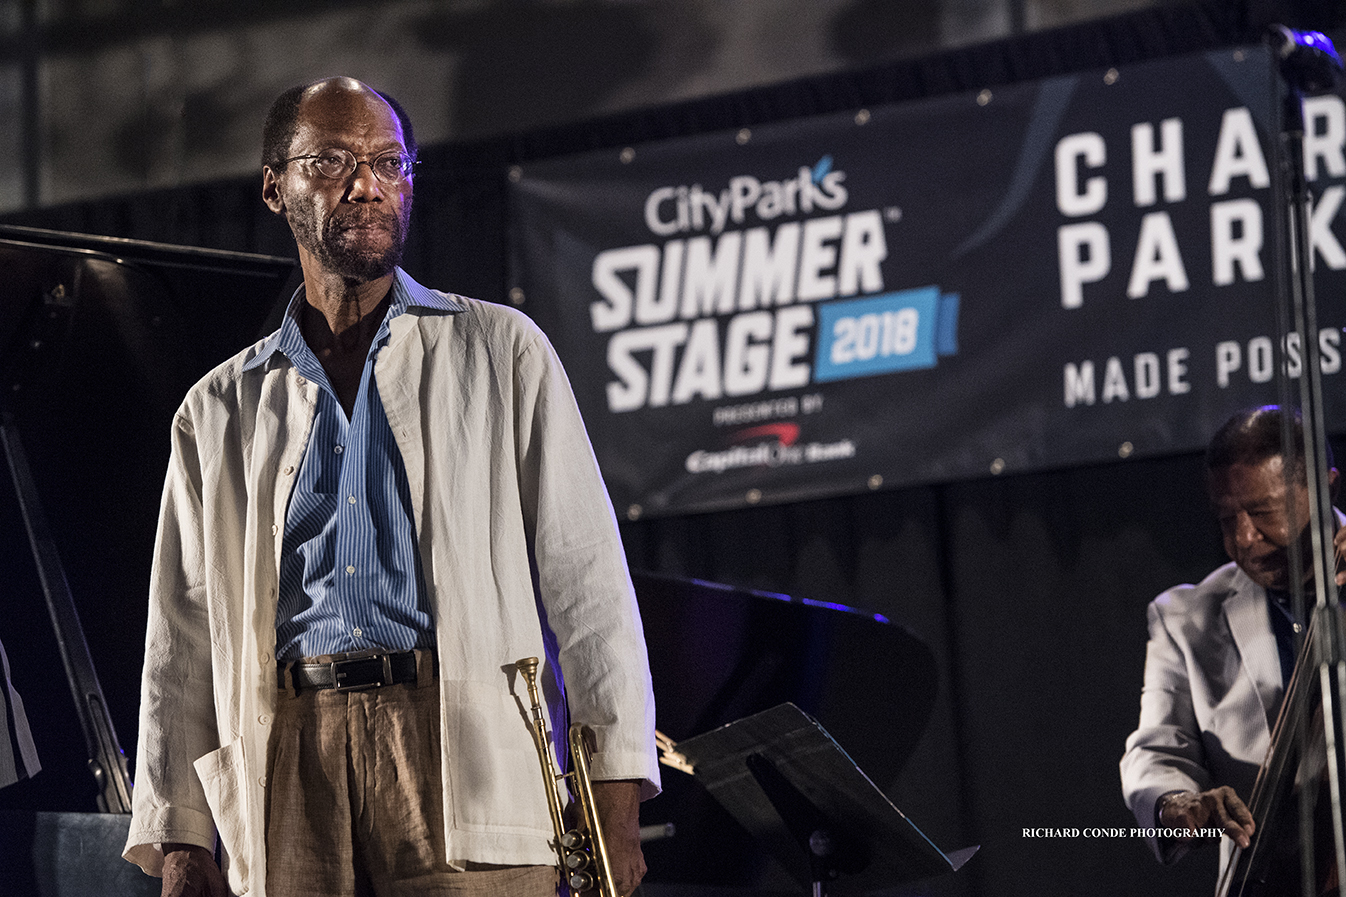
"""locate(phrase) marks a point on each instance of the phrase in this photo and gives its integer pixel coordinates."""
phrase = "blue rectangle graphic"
(879, 334)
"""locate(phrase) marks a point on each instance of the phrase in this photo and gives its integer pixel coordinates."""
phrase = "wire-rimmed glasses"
(390, 168)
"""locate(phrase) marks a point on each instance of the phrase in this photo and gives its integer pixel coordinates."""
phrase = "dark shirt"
(1284, 626)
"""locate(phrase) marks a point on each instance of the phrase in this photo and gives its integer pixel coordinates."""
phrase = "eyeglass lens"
(339, 163)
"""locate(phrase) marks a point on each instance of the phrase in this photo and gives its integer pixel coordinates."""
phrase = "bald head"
(282, 121)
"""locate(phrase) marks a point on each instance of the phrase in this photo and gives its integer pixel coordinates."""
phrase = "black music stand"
(788, 783)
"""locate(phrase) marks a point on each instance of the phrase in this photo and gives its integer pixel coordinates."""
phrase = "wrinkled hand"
(1218, 807)
(1339, 547)
(191, 871)
(618, 805)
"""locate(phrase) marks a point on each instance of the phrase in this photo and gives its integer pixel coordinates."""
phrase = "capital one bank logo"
(770, 445)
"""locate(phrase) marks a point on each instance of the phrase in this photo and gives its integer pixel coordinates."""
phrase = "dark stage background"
(1029, 589)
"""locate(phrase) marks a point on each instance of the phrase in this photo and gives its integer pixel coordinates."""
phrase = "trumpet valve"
(573, 840)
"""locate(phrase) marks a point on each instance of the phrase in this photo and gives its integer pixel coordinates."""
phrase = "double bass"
(1296, 800)
(1298, 846)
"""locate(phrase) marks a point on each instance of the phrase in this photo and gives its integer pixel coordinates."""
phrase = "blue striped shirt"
(350, 577)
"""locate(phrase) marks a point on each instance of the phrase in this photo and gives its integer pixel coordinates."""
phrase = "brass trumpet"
(583, 857)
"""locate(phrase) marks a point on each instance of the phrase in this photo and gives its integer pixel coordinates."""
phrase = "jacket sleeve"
(583, 580)
(177, 717)
(1165, 753)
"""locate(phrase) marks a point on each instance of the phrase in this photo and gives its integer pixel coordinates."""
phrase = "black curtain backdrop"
(1030, 589)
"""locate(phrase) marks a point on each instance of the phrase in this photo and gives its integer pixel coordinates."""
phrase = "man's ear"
(271, 191)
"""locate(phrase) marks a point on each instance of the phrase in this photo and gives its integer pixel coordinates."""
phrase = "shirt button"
(289, 470)
(301, 380)
(275, 528)
(264, 658)
(350, 568)
(356, 632)
(264, 720)
(261, 780)
(351, 499)
(338, 449)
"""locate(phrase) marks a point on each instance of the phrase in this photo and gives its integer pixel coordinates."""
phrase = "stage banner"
(1064, 272)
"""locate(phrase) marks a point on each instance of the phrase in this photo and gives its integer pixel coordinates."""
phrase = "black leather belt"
(350, 673)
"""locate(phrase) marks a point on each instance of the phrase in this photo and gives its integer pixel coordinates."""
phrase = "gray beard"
(344, 255)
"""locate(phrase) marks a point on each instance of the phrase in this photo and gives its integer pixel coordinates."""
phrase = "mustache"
(363, 217)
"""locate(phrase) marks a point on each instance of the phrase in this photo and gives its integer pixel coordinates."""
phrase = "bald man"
(368, 517)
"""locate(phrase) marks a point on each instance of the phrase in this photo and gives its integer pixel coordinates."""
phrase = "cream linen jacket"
(501, 473)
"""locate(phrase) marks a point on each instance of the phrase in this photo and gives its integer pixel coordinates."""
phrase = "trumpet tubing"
(582, 852)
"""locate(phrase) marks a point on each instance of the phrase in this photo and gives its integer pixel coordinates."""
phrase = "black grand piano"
(100, 338)
(719, 656)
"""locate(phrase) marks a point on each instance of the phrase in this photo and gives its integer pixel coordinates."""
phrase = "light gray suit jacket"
(1212, 689)
(18, 755)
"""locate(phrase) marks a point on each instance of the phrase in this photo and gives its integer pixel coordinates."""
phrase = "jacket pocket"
(494, 776)
(222, 773)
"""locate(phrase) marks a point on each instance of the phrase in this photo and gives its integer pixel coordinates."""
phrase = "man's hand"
(618, 805)
(1217, 807)
(1339, 551)
(191, 871)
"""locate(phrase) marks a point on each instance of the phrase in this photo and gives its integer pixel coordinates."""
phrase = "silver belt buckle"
(338, 665)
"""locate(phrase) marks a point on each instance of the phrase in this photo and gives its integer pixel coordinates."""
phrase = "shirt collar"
(412, 294)
(406, 294)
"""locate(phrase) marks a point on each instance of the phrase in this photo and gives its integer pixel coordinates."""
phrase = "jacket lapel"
(1246, 613)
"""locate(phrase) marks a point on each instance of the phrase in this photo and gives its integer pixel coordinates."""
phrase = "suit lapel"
(1246, 613)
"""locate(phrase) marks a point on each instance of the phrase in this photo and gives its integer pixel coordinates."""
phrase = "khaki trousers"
(354, 802)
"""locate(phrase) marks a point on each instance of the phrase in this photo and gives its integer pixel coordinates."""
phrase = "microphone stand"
(1308, 64)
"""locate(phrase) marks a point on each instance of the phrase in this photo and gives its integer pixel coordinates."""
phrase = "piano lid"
(719, 653)
(100, 339)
